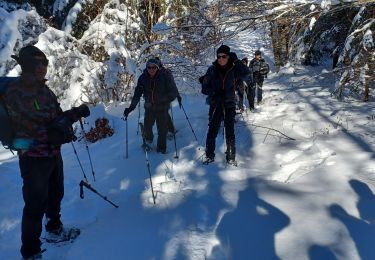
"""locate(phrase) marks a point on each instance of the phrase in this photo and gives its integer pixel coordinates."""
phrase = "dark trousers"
(259, 85)
(251, 93)
(170, 126)
(240, 94)
(43, 190)
(218, 114)
(159, 115)
(251, 96)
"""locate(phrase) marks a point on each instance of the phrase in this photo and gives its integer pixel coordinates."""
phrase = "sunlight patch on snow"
(298, 163)
(109, 172)
(262, 211)
(124, 184)
(192, 244)
(8, 224)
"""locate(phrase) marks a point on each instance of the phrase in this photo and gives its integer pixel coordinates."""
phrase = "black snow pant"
(43, 190)
(218, 114)
(160, 115)
(171, 128)
(240, 94)
(259, 85)
(251, 93)
(251, 96)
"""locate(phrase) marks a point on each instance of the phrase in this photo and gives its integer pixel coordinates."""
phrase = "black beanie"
(155, 62)
(258, 52)
(223, 49)
(26, 57)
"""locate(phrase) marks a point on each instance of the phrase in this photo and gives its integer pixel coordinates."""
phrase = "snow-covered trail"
(308, 198)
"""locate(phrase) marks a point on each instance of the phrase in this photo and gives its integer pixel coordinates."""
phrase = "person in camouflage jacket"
(32, 107)
(260, 69)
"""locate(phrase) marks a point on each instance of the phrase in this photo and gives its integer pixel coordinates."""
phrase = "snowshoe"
(62, 235)
(147, 146)
(208, 160)
(232, 162)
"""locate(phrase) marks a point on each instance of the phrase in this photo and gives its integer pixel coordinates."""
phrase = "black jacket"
(158, 92)
(220, 84)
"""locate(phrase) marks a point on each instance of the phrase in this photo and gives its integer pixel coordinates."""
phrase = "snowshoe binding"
(232, 162)
(62, 234)
(208, 160)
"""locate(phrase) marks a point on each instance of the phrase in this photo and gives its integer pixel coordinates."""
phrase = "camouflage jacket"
(32, 106)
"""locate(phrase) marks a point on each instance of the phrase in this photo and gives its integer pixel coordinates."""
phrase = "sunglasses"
(222, 56)
(152, 67)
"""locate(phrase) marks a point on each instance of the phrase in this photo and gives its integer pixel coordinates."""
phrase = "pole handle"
(81, 189)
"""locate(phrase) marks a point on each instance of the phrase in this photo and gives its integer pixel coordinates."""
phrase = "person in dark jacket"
(158, 90)
(32, 108)
(171, 128)
(260, 69)
(241, 88)
(219, 85)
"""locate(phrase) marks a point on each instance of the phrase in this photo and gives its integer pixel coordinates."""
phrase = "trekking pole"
(87, 148)
(147, 161)
(183, 109)
(89, 187)
(126, 126)
(174, 134)
(79, 161)
(139, 115)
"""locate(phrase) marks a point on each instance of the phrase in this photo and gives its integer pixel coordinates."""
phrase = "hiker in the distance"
(33, 110)
(241, 88)
(158, 91)
(219, 85)
(260, 69)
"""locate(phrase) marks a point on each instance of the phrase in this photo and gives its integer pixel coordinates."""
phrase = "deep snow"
(308, 198)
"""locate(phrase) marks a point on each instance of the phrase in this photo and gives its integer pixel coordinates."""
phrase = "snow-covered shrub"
(18, 28)
(356, 64)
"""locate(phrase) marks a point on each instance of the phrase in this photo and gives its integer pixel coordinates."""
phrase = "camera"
(61, 129)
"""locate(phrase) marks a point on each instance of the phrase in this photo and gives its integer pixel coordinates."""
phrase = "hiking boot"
(62, 234)
(53, 225)
(163, 151)
(230, 154)
(209, 158)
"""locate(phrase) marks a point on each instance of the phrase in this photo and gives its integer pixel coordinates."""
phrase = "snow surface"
(308, 198)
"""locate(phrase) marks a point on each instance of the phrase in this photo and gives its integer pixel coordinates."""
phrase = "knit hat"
(223, 49)
(153, 62)
(160, 64)
(26, 57)
(258, 52)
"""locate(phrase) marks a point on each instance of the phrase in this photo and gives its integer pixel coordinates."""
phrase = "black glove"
(61, 130)
(179, 99)
(233, 56)
(76, 113)
(127, 112)
(81, 111)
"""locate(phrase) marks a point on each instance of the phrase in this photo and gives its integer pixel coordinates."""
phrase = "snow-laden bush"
(339, 32)
(18, 28)
(356, 64)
